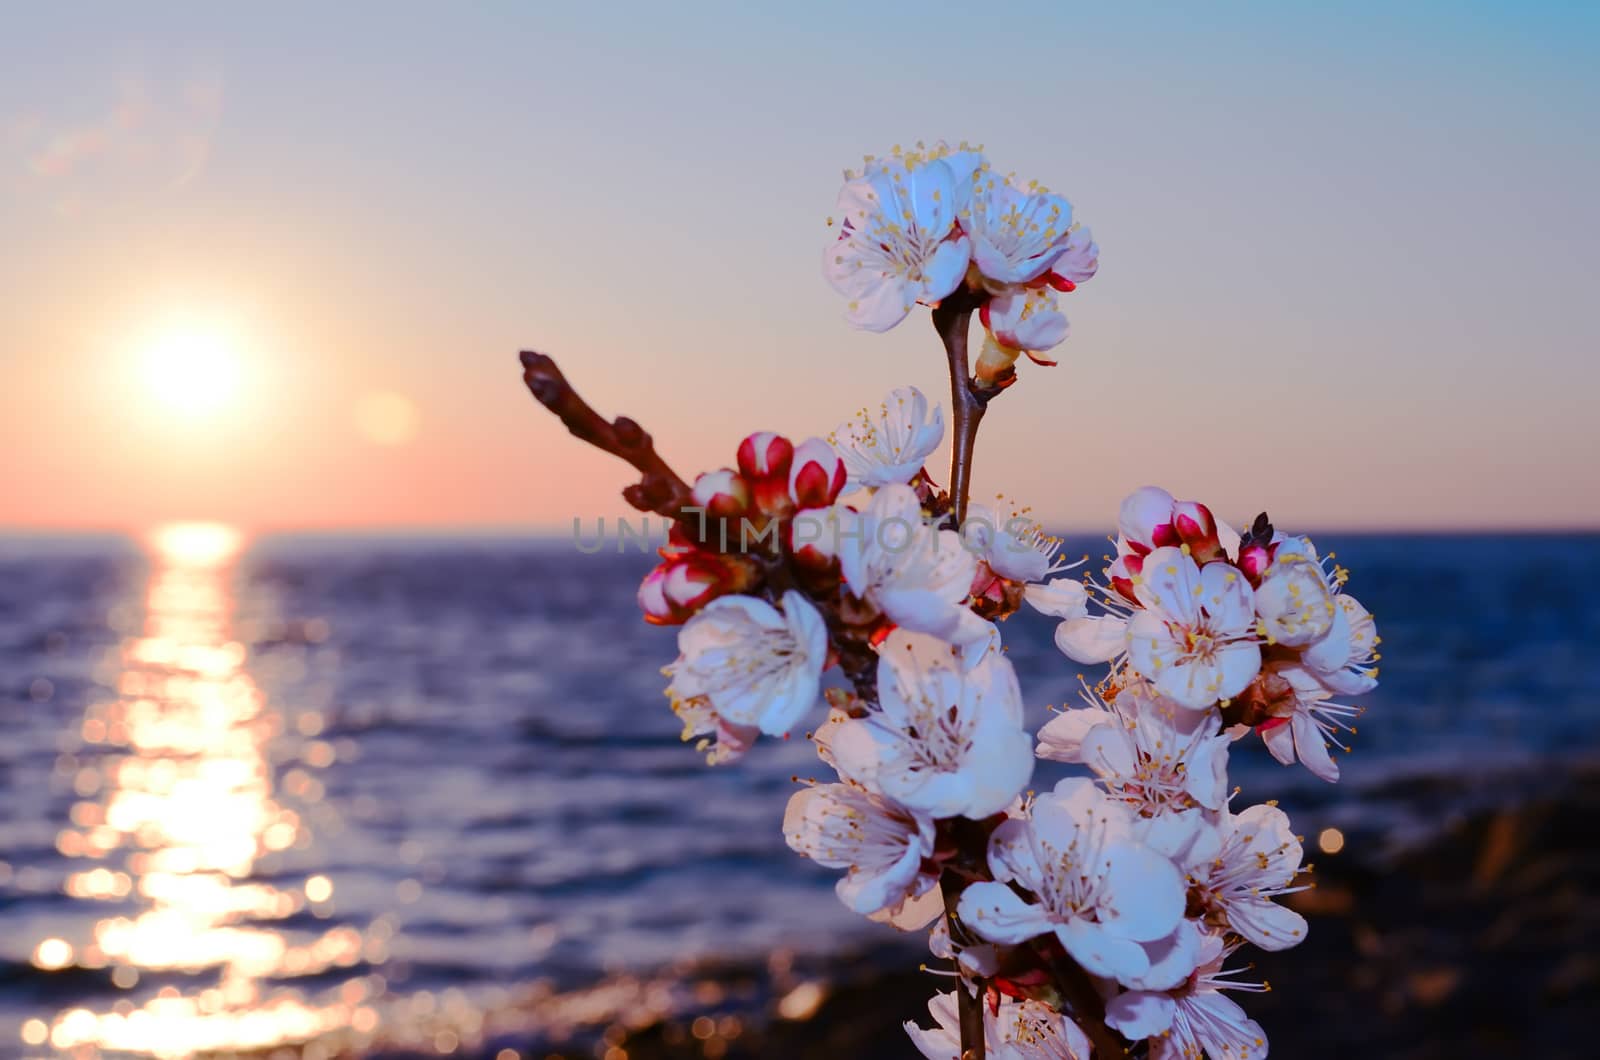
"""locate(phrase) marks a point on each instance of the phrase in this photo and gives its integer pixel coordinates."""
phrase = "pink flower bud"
(1196, 528)
(653, 598)
(764, 460)
(723, 494)
(1146, 519)
(765, 455)
(1254, 559)
(680, 586)
(1122, 572)
(692, 582)
(817, 474)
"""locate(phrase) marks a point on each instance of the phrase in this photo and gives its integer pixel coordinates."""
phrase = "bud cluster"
(739, 518)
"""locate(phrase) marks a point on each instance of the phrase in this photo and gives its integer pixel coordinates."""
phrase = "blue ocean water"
(347, 791)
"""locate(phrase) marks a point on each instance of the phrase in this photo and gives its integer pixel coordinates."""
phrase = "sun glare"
(192, 371)
(196, 544)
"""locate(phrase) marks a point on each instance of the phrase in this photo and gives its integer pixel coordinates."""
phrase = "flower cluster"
(1140, 873)
(1098, 913)
(749, 664)
(916, 226)
(1255, 625)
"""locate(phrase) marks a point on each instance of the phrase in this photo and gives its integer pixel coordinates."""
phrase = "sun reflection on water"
(178, 810)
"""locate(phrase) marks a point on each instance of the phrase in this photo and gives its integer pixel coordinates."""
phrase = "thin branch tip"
(659, 489)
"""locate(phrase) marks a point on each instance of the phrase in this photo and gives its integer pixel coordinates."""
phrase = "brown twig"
(952, 318)
(659, 488)
(974, 1043)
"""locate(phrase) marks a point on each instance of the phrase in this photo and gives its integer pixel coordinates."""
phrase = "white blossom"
(948, 737)
(1235, 865)
(1020, 1030)
(1344, 661)
(1096, 887)
(1027, 319)
(1294, 600)
(751, 664)
(918, 575)
(898, 242)
(1015, 546)
(889, 446)
(1312, 725)
(881, 844)
(1017, 233)
(1148, 752)
(1192, 639)
(1195, 1021)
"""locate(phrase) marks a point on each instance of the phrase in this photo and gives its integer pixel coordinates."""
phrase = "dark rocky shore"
(1481, 941)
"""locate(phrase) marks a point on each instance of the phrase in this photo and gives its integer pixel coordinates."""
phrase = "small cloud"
(142, 133)
(384, 417)
(117, 129)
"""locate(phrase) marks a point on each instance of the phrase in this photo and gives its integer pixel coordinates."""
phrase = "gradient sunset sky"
(1347, 252)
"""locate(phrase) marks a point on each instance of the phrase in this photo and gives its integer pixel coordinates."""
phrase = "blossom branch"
(659, 488)
(952, 318)
(1117, 946)
(974, 1042)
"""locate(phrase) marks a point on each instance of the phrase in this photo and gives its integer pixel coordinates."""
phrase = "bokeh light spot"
(386, 418)
(52, 954)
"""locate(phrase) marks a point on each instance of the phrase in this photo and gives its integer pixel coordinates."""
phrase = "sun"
(192, 371)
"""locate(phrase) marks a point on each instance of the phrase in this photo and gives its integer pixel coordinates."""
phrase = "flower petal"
(1266, 923)
(1101, 952)
(1061, 738)
(1139, 1014)
(1109, 749)
(1058, 598)
(998, 914)
(1226, 596)
(1172, 959)
(880, 305)
(1278, 735)
(1011, 856)
(1313, 748)
(1237, 665)
(1092, 639)
(945, 270)
(1144, 895)
(1169, 585)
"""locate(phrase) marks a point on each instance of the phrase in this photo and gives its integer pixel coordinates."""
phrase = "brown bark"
(969, 399)
(659, 488)
(974, 1043)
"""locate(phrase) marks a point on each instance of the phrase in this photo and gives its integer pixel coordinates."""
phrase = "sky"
(273, 267)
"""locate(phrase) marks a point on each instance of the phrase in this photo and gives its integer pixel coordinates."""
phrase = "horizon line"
(555, 532)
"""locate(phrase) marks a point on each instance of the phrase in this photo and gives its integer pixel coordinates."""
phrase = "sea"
(316, 796)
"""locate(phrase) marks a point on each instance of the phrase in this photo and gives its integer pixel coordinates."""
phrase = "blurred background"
(322, 738)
